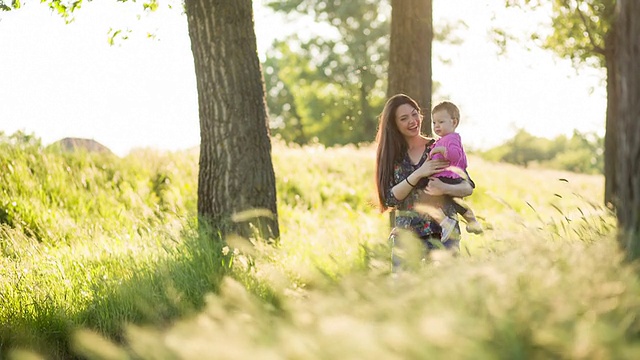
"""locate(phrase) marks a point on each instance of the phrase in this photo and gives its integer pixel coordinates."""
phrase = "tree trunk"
(628, 134)
(236, 173)
(611, 128)
(410, 53)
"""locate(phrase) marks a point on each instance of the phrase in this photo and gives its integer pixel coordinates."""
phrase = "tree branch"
(596, 48)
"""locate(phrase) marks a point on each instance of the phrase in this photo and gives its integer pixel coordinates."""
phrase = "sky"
(64, 80)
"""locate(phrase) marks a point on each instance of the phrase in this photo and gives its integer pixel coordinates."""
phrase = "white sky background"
(59, 80)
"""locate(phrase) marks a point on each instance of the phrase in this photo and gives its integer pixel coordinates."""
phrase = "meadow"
(101, 258)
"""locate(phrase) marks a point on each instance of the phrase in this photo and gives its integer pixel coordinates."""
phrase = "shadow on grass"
(156, 297)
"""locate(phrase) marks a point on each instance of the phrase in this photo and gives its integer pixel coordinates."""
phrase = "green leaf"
(151, 5)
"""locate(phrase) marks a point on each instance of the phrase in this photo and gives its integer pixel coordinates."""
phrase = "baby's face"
(443, 124)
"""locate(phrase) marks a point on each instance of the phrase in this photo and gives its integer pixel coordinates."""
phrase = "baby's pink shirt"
(455, 154)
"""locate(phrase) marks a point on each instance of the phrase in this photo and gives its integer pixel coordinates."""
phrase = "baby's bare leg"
(473, 226)
(431, 206)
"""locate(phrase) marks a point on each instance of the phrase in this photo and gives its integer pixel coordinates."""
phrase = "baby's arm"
(438, 150)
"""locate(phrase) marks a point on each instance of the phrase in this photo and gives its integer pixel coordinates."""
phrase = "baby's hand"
(438, 150)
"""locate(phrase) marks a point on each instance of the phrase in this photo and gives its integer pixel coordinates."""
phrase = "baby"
(446, 118)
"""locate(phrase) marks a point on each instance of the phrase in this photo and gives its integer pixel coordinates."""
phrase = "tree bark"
(628, 135)
(410, 53)
(236, 173)
(611, 127)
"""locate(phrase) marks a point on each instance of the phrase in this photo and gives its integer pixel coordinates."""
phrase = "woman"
(402, 169)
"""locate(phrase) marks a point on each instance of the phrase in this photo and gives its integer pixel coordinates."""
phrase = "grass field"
(101, 258)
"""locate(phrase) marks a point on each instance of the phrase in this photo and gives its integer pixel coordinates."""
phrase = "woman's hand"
(431, 167)
(437, 188)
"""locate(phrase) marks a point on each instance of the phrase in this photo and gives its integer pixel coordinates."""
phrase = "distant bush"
(582, 153)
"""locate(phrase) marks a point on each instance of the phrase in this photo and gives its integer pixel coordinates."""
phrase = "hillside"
(102, 257)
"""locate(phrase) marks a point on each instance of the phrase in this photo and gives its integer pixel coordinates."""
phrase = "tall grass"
(102, 259)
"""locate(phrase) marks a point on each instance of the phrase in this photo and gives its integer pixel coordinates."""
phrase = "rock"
(75, 144)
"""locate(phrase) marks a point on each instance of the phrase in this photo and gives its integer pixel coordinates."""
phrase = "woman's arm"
(428, 168)
(402, 189)
(437, 188)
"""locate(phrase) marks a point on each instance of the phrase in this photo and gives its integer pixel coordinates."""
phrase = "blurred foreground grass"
(101, 259)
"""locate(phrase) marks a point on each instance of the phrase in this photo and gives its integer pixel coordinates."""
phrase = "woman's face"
(408, 120)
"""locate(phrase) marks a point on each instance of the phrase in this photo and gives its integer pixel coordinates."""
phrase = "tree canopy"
(329, 88)
(579, 28)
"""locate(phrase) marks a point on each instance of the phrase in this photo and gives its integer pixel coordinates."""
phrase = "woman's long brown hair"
(391, 144)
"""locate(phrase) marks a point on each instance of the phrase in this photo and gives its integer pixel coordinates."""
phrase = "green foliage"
(64, 8)
(545, 280)
(582, 153)
(580, 28)
(15, 4)
(329, 88)
(306, 106)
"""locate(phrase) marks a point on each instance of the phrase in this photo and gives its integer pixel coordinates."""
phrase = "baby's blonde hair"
(449, 107)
